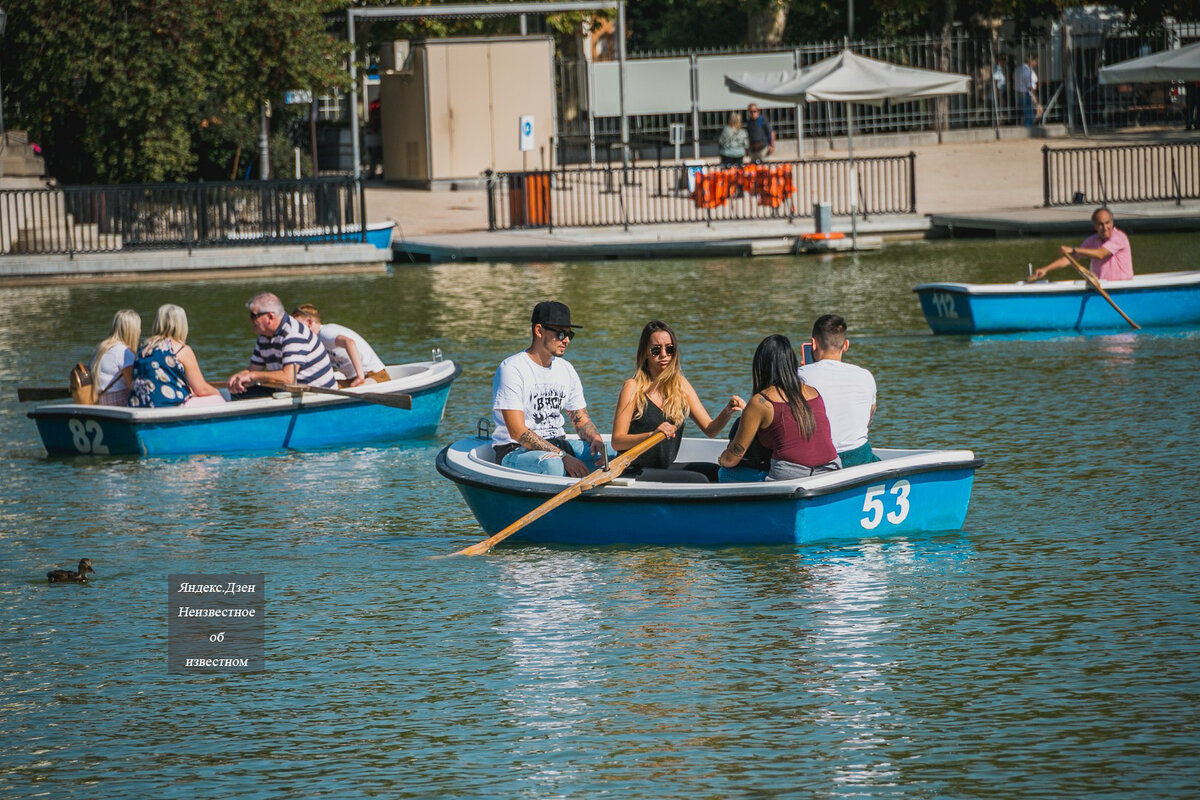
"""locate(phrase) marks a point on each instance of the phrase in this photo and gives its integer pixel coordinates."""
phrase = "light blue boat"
(379, 234)
(909, 491)
(283, 422)
(1160, 299)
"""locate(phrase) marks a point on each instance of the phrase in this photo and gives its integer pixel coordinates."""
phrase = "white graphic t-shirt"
(542, 393)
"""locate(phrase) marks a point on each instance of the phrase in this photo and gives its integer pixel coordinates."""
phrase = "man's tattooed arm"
(531, 441)
(584, 426)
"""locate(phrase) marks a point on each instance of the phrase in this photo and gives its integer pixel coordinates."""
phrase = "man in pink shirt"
(1108, 248)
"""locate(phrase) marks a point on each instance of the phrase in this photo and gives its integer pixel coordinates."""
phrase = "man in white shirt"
(1025, 84)
(531, 393)
(848, 390)
(349, 352)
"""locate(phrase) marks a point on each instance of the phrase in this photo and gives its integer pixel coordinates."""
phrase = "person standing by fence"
(1025, 84)
(762, 138)
(733, 142)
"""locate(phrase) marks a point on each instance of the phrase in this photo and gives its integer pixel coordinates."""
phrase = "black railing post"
(912, 182)
(362, 209)
(491, 177)
(1174, 172)
(1045, 176)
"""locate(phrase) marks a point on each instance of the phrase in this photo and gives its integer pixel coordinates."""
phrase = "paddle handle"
(1092, 280)
(394, 400)
(597, 478)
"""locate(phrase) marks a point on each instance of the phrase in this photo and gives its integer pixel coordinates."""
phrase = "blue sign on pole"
(526, 137)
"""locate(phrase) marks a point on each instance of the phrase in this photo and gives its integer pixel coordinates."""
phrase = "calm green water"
(1048, 650)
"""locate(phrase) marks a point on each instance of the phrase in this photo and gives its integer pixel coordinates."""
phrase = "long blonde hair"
(126, 329)
(169, 323)
(670, 381)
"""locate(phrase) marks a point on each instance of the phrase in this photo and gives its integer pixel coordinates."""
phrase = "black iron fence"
(648, 195)
(91, 219)
(1121, 174)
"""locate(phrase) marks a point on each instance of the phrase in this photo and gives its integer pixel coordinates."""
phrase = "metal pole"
(591, 79)
(264, 142)
(312, 133)
(853, 177)
(695, 82)
(621, 79)
(353, 91)
(799, 112)
(995, 99)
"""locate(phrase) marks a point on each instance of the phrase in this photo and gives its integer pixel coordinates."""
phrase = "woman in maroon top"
(786, 415)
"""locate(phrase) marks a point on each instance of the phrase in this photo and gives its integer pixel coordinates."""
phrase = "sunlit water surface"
(1049, 649)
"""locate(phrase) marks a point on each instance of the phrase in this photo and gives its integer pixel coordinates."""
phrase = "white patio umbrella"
(1182, 64)
(848, 78)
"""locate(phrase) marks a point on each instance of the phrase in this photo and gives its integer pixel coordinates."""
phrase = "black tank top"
(662, 454)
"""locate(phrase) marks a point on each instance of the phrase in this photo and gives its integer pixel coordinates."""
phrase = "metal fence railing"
(1121, 174)
(648, 195)
(91, 219)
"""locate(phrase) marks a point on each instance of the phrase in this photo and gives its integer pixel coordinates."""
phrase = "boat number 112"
(87, 436)
(943, 304)
(874, 504)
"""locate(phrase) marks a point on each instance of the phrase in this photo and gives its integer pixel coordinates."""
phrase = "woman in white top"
(112, 363)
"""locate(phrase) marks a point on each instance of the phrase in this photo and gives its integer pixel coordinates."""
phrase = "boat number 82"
(876, 501)
(87, 436)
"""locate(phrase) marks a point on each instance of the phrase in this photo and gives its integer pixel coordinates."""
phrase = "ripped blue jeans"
(544, 462)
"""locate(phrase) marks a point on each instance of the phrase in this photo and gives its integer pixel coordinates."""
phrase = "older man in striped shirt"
(286, 351)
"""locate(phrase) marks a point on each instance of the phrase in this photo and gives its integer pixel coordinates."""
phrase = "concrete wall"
(455, 112)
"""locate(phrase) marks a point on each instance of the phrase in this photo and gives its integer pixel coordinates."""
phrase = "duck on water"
(71, 576)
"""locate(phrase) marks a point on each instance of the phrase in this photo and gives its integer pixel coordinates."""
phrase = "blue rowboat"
(909, 491)
(1155, 300)
(378, 234)
(282, 422)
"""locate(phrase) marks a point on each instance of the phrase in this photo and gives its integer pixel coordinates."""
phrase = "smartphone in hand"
(806, 354)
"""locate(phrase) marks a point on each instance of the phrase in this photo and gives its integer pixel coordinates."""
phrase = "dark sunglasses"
(256, 314)
(562, 333)
(656, 350)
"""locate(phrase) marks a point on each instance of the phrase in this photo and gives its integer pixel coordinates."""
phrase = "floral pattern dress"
(158, 378)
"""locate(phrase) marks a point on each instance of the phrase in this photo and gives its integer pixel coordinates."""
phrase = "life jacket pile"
(772, 184)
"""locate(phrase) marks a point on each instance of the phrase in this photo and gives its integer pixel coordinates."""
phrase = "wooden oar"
(393, 400)
(1091, 278)
(591, 481)
(26, 394)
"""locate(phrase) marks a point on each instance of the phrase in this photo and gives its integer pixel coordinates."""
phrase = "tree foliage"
(157, 90)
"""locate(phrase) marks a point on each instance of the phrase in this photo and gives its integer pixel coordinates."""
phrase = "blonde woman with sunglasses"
(659, 398)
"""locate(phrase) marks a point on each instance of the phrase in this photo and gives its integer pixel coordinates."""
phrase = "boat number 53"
(87, 437)
(876, 502)
(943, 304)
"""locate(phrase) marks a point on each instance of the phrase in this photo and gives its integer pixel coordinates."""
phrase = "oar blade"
(394, 400)
(29, 394)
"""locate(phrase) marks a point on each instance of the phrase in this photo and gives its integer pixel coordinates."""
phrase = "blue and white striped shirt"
(294, 343)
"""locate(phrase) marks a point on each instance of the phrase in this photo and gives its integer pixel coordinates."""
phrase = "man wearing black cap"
(531, 393)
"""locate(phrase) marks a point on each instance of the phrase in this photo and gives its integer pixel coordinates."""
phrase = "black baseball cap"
(550, 312)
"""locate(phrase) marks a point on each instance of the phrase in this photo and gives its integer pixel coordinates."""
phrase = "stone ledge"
(206, 263)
